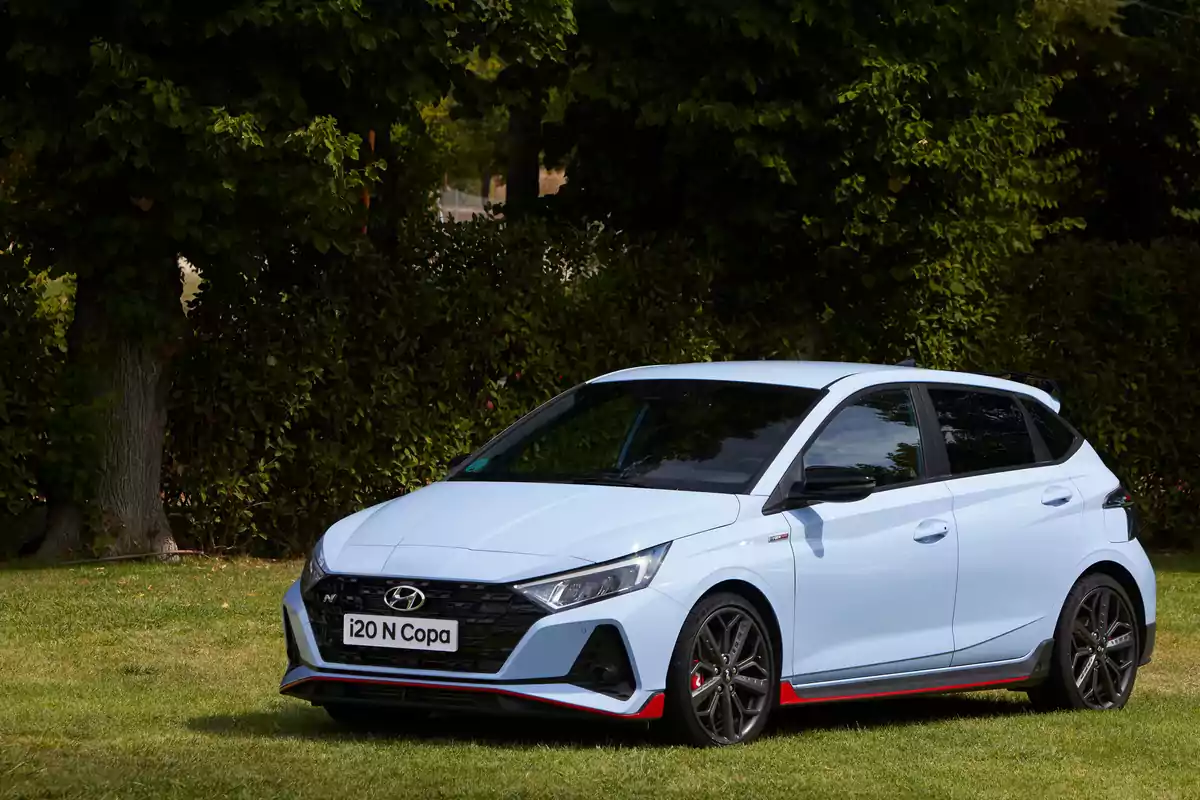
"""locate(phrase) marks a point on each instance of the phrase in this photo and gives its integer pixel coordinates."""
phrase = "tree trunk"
(123, 378)
(524, 157)
(485, 185)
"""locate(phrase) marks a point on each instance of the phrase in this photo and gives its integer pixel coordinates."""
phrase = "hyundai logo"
(404, 598)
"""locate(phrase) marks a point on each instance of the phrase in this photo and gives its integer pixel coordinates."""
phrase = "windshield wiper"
(614, 479)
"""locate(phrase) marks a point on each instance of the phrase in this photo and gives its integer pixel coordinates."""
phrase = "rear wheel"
(1096, 648)
(723, 679)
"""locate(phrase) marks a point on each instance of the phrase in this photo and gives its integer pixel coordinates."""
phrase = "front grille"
(492, 619)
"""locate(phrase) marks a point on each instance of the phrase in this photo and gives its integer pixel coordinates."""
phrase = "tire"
(1088, 671)
(713, 699)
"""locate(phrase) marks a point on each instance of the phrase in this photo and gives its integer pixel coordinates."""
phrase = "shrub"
(34, 314)
(302, 400)
(1117, 325)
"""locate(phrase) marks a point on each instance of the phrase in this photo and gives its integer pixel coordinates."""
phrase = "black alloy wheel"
(1096, 649)
(723, 680)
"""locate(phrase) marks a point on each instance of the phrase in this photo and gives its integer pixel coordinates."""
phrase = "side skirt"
(1015, 674)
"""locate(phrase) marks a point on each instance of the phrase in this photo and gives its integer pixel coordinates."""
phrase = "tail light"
(1121, 498)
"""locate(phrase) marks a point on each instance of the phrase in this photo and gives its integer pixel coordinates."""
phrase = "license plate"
(401, 633)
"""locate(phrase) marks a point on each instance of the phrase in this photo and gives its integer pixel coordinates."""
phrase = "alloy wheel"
(730, 679)
(1103, 648)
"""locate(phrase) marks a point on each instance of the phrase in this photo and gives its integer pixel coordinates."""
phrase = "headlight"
(596, 583)
(314, 569)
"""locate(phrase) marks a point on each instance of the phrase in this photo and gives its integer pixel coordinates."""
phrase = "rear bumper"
(323, 688)
(1148, 644)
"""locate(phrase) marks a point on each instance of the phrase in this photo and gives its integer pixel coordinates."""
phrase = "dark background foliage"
(976, 184)
(299, 403)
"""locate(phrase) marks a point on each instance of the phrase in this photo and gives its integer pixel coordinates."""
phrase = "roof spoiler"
(1047, 385)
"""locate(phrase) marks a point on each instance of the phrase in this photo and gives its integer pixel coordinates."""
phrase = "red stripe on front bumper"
(652, 709)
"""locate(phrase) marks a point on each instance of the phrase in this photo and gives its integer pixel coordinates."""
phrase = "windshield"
(710, 436)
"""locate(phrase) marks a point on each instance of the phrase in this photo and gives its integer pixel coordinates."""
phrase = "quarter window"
(878, 434)
(1054, 432)
(983, 431)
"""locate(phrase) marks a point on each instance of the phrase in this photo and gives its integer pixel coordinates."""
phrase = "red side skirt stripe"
(788, 696)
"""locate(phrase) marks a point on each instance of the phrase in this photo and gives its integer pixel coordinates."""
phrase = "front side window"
(877, 434)
(983, 430)
(698, 435)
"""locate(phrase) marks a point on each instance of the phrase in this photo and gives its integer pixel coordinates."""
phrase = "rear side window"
(983, 431)
(878, 434)
(1058, 437)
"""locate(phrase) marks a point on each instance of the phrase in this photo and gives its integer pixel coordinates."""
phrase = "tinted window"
(1054, 432)
(878, 434)
(670, 434)
(983, 431)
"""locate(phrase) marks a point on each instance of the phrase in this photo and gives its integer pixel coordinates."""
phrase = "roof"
(808, 374)
(814, 375)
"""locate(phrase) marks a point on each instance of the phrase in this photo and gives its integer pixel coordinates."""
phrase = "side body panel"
(754, 550)
(1021, 534)
(870, 597)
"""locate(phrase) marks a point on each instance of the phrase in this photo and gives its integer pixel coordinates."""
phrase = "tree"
(1130, 112)
(139, 133)
(865, 163)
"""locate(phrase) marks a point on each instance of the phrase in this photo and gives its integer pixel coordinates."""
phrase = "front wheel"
(723, 679)
(1096, 648)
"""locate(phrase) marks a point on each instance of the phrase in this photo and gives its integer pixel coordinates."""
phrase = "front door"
(875, 578)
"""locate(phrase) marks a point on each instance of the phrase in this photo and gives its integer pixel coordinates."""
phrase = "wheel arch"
(1124, 577)
(762, 605)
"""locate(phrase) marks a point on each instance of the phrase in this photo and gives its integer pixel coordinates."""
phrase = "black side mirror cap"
(828, 485)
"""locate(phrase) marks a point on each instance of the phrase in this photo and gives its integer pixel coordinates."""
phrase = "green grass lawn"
(160, 681)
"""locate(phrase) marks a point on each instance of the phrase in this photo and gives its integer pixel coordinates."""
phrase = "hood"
(529, 528)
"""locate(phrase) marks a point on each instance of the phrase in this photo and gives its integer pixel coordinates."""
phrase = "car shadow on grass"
(305, 722)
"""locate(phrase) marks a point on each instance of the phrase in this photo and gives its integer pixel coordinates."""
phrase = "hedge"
(34, 313)
(310, 390)
(301, 402)
(1118, 325)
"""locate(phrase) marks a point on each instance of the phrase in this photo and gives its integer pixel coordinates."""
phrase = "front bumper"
(541, 675)
(323, 688)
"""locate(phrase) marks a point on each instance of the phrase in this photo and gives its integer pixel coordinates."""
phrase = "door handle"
(930, 531)
(1057, 496)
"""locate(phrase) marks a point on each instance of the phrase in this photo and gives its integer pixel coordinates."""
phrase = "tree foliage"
(1130, 112)
(134, 134)
(882, 158)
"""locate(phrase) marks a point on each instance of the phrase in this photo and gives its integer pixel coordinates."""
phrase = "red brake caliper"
(697, 678)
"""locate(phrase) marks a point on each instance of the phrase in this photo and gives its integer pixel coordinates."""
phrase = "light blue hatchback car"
(706, 542)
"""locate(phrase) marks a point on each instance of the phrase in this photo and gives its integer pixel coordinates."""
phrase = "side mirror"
(830, 485)
(458, 460)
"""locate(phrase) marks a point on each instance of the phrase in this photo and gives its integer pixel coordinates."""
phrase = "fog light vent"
(603, 665)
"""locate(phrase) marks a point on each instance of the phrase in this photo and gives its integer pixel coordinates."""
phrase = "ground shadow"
(305, 722)
(896, 712)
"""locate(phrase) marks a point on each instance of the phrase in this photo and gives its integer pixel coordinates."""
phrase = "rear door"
(1019, 519)
(875, 578)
